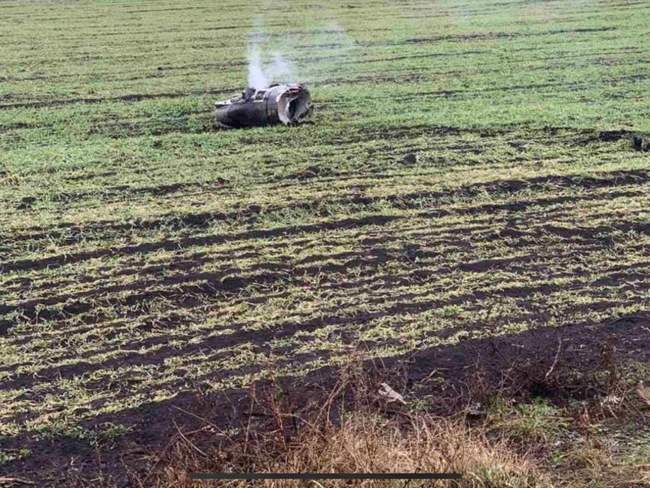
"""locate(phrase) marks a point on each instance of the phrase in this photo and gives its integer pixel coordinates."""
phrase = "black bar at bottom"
(326, 476)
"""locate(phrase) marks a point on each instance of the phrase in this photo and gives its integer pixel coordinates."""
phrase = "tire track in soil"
(205, 219)
(183, 242)
(576, 235)
(403, 304)
(519, 264)
(369, 285)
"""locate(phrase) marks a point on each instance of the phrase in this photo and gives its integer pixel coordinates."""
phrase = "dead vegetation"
(493, 434)
(355, 430)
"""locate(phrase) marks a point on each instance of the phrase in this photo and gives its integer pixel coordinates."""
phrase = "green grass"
(143, 253)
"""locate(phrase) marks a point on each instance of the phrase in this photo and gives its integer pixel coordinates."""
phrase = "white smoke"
(269, 61)
(256, 76)
(281, 69)
(261, 75)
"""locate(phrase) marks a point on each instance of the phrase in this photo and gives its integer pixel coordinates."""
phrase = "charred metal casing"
(277, 104)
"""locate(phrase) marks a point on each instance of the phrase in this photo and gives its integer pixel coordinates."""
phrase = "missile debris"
(277, 104)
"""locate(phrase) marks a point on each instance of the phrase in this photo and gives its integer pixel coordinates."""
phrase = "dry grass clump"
(361, 424)
(366, 442)
(355, 429)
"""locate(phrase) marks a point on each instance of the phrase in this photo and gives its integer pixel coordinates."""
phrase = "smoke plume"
(274, 59)
(256, 76)
(261, 75)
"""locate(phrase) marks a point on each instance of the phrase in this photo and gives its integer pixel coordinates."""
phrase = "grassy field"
(467, 175)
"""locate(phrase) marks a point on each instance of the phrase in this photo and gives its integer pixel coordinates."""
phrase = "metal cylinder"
(285, 104)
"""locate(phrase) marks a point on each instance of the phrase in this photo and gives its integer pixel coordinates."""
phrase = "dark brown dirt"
(641, 143)
(191, 241)
(205, 219)
(512, 364)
